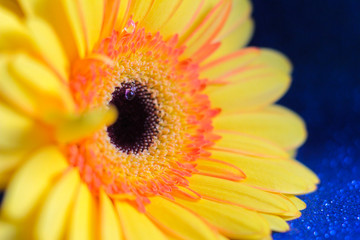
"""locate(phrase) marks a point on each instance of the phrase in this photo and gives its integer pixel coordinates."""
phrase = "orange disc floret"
(148, 67)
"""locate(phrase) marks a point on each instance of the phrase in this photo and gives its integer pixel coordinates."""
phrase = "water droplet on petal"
(130, 26)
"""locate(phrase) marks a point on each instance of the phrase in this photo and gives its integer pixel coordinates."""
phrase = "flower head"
(144, 120)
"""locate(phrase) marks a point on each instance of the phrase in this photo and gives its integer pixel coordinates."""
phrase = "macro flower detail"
(144, 120)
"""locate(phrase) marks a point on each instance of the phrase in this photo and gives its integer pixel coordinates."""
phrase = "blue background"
(322, 38)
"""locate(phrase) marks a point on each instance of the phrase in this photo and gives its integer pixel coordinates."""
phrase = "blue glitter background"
(322, 38)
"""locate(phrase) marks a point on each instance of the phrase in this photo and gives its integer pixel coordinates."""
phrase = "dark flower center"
(138, 118)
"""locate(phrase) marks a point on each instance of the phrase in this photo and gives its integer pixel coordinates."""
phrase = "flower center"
(164, 121)
(138, 118)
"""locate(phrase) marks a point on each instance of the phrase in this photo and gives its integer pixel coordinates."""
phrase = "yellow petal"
(92, 12)
(292, 152)
(79, 126)
(250, 89)
(181, 18)
(304, 171)
(276, 223)
(12, 6)
(26, 82)
(15, 128)
(274, 59)
(207, 31)
(122, 14)
(64, 17)
(300, 204)
(202, 9)
(75, 19)
(4, 179)
(42, 83)
(240, 12)
(222, 237)
(242, 195)
(178, 220)
(31, 182)
(110, 227)
(139, 9)
(275, 175)
(131, 219)
(48, 45)
(56, 209)
(275, 123)
(237, 31)
(235, 40)
(83, 216)
(14, 35)
(7, 231)
(247, 80)
(220, 169)
(228, 66)
(224, 65)
(114, 16)
(12, 92)
(267, 238)
(231, 221)
(160, 12)
(248, 145)
(286, 218)
(36, 37)
(11, 159)
(239, 38)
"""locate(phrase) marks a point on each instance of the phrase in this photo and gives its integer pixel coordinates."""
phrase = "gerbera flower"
(143, 120)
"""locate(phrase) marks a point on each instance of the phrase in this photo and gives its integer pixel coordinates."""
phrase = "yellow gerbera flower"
(143, 120)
